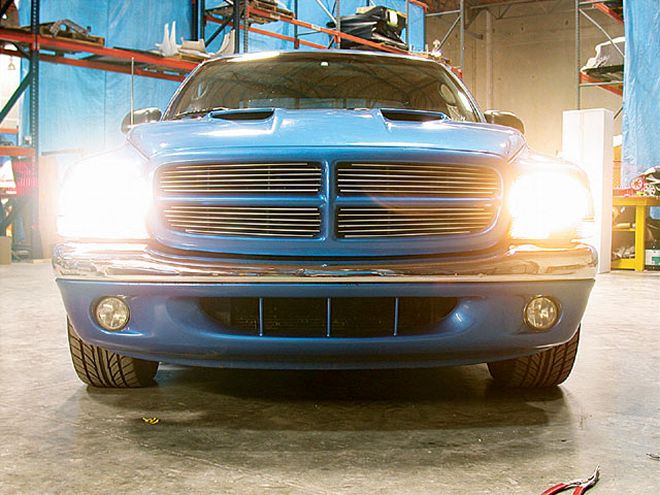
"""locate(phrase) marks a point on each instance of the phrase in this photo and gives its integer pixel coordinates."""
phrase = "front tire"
(544, 369)
(101, 368)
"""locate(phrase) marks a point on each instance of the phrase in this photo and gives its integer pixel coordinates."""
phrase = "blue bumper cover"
(168, 325)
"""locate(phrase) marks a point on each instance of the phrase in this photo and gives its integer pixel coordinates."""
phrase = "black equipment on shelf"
(378, 24)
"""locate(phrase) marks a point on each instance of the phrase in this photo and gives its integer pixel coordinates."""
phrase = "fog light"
(541, 313)
(111, 313)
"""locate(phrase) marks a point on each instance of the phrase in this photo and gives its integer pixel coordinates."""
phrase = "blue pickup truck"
(324, 210)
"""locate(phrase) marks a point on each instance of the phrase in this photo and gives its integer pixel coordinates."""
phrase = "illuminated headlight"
(549, 205)
(104, 200)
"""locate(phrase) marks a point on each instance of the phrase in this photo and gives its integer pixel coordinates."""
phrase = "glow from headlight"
(104, 201)
(549, 205)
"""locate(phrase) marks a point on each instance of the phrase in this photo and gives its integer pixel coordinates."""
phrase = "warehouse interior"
(87, 89)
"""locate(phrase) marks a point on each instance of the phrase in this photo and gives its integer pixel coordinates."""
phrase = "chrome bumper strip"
(139, 263)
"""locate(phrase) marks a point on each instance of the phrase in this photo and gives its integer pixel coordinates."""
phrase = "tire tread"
(102, 368)
(548, 368)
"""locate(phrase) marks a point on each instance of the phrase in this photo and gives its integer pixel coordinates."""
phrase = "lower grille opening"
(333, 317)
(363, 317)
(419, 315)
(294, 317)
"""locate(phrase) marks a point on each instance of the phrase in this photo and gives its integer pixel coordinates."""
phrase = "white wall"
(533, 66)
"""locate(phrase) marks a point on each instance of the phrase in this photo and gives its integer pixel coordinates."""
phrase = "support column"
(237, 26)
(461, 35)
(489, 59)
(194, 20)
(35, 238)
(578, 82)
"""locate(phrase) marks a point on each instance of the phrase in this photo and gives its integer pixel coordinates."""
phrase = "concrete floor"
(432, 431)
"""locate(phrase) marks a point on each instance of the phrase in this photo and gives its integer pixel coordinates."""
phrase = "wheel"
(545, 369)
(106, 369)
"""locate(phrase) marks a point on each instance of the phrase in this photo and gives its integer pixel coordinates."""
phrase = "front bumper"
(163, 292)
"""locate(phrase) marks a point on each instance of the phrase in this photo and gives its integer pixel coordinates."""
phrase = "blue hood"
(319, 128)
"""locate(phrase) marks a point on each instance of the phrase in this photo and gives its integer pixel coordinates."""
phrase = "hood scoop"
(244, 114)
(409, 115)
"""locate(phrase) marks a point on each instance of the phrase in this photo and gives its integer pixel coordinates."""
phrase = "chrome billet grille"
(381, 221)
(431, 180)
(244, 178)
(245, 221)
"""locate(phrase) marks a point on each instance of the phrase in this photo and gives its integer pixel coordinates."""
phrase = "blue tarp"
(83, 108)
(641, 90)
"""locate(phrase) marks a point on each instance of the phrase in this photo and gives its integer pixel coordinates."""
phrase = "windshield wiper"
(201, 111)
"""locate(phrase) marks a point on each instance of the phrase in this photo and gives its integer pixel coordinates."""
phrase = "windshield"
(323, 81)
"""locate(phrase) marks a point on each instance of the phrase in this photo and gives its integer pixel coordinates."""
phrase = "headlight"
(550, 205)
(104, 199)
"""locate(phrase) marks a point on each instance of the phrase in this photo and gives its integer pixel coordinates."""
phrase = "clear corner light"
(550, 205)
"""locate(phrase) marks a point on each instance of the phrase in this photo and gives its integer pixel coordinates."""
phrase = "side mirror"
(507, 119)
(141, 116)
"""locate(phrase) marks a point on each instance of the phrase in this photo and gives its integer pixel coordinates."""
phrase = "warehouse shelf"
(26, 151)
(596, 79)
(459, 14)
(611, 85)
(252, 29)
(35, 46)
(58, 50)
(252, 12)
(609, 11)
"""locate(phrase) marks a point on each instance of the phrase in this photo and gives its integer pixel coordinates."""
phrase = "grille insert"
(328, 317)
(245, 221)
(417, 180)
(254, 178)
(381, 221)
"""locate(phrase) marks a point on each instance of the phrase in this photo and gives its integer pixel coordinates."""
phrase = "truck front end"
(324, 238)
